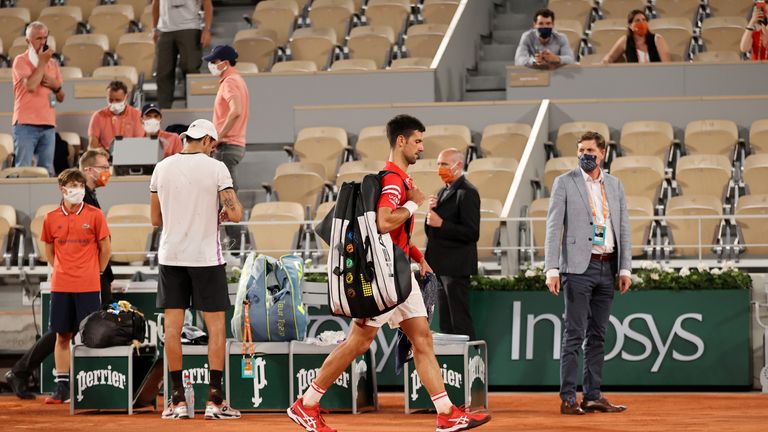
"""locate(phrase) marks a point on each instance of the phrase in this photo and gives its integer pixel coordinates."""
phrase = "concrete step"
(526, 6)
(507, 36)
(512, 21)
(498, 68)
(498, 52)
(485, 95)
(485, 82)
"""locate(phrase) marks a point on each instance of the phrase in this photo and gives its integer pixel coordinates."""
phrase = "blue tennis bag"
(273, 289)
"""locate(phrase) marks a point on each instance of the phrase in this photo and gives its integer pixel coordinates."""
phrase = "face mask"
(33, 58)
(151, 126)
(446, 173)
(103, 178)
(117, 107)
(544, 32)
(588, 162)
(640, 28)
(74, 196)
(214, 68)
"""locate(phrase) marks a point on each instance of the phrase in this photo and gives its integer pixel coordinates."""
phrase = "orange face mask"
(640, 28)
(103, 178)
(446, 174)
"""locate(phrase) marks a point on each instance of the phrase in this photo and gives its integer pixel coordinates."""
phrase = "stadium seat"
(711, 137)
(756, 173)
(295, 66)
(595, 59)
(684, 233)
(424, 174)
(620, 8)
(137, 5)
(6, 149)
(24, 172)
(571, 9)
(332, 14)
(391, 13)
(489, 209)
(300, 182)
(412, 63)
(146, 18)
(492, 176)
(723, 33)
(569, 133)
(277, 16)
(74, 146)
(442, 136)
(111, 20)
(322, 211)
(313, 44)
(639, 207)
(424, 39)
(439, 11)
(257, 46)
(703, 174)
(20, 45)
(605, 33)
(686, 9)
(556, 167)
(126, 74)
(323, 145)
(641, 175)
(13, 21)
(137, 50)
(506, 140)
(373, 43)
(758, 136)
(373, 144)
(354, 171)
(538, 209)
(86, 6)
(651, 138)
(85, 51)
(33, 6)
(130, 244)
(717, 57)
(359, 65)
(273, 239)
(36, 228)
(740, 8)
(70, 72)
(6, 74)
(62, 21)
(573, 30)
(677, 32)
(246, 67)
(753, 230)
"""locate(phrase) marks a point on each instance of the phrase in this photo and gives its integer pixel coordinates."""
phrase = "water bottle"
(189, 395)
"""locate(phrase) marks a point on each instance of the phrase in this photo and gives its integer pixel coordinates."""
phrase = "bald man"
(452, 228)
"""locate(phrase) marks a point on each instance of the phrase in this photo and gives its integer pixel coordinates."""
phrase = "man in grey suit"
(587, 243)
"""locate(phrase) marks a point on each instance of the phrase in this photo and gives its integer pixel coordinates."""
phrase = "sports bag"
(120, 324)
(273, 289)
(367, 274)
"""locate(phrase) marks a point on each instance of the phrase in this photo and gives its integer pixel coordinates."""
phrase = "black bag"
(118, 325)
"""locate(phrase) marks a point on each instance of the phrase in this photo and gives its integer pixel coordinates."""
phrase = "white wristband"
(411, 207)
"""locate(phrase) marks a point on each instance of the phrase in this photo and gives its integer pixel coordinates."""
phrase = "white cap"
(200, 128)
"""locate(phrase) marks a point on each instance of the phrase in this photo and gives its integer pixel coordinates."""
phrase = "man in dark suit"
(452, 228)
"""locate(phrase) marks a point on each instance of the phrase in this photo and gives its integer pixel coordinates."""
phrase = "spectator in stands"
(639, 45)
(178, 31)
(151, 116)
(36, 90)
(116, 121)
(186, 191)
(542, 46)
(77, 244)
(755, 37)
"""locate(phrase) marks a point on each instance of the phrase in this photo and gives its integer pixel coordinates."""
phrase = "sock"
(215, 394)
(61, 377)
(177, 393)
(312, 395)
(442, 403)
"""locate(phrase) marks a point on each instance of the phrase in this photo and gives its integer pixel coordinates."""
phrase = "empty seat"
(620, 8)
(137, 5)
(391, 13)
(313, 44)
(571, 9)
(130, 244)
(424, 174)
(86, 6)
(373, 144)
(322, 210)
(356, 65)
(6, 74)
(492, 176)
(256, 45)
(6, 149)
(354, 171)
(373, 43)
(641, 209)
(572, 29)
(33, 6)
(73, 146)
(756, 173)
(424, 39)
(111, 20)
(651, 138)
(686, 9)
(718, 57)
(606, 32)
(20, 45)
(323, 145)
(36, 228)
(758, 136)
(489, 209)
(412, 63)
(277, 16)
(13, 21)
(137, 50)
(85, 51)
(126, 74)
(440, 137)
(711, 137)
(280, 236)
(146, 18)
(740, 8)
(703, 174)
(333, 14)
(569, 133)
(62, 21)
(538, 209)
(506, 140)
(70, 72)
(439, 11)
(556, 167)
(295, 66)
(24, 172)
(753, 230)
(246, 67)
(684, 233)
(641, 175)
(300, 182)
(723, 33)
(677, 32)
(7, 222)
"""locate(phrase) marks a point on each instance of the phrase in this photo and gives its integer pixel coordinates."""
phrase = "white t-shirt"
(188, 186)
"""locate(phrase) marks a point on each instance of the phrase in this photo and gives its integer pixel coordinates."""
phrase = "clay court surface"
(511, 411)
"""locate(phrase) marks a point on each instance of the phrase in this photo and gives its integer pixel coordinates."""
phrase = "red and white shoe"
(311, 419)
(461, 419)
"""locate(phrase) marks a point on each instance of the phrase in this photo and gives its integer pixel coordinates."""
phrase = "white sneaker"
(175, 412)
(220, 412)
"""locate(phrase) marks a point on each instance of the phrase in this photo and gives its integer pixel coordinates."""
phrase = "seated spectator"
(542, 46)
(151, 116)
(755, 37)
(639, 45)
(118, 119)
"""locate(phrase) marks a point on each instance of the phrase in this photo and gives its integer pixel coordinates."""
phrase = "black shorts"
(68, 309)
(202, 288)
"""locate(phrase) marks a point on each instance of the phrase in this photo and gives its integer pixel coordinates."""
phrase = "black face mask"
(588, 162)
(544, 32)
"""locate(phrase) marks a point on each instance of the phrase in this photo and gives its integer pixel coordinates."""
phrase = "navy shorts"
(202, 288)
(68, 309)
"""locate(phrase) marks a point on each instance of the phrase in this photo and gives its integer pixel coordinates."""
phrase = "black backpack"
(120, 324)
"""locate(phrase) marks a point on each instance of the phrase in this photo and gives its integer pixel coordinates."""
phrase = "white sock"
(312, 395)
(442, 403)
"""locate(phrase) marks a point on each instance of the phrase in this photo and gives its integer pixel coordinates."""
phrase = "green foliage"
(316, 277)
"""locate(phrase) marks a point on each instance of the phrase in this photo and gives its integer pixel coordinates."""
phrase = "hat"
(200, 128)
(222, 52)
(150, 107)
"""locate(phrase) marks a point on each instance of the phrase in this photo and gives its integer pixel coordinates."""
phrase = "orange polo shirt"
(231, 84)
(32, 108)
(172, 143)
(75, 236)
(105, 126)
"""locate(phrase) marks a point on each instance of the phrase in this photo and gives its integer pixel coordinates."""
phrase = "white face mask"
(33, 57)
(74, 196)
(117, 107)
(214, 68)
(151, 126)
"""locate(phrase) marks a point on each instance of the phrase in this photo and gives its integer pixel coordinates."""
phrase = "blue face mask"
(588, 162)
(544, 32)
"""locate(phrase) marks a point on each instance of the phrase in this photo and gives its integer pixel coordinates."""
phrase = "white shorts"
(412, 307)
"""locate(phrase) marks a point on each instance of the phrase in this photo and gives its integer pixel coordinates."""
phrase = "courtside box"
(194, 366)
(268, 389)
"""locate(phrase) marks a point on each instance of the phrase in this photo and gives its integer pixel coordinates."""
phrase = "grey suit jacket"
(568, 245)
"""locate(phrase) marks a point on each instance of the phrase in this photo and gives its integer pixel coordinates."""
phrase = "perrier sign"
(267, 386)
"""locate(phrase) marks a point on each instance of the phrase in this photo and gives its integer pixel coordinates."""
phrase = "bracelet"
(749, 28)
(411, 207)
(56, 91)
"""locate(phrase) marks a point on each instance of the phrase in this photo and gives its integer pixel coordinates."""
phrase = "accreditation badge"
(247, 367)
(598, 235)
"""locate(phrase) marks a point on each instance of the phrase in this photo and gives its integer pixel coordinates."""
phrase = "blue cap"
(222, 52)
(150, 107)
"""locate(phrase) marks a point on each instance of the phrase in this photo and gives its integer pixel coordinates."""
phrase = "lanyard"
(247, 336)
(117, 119)
(592, 206)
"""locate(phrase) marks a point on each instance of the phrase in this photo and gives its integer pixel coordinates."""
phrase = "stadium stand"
(605, 33)
(642, 176)
(333, 14)
(711, 137)
(257, 46)
(63, 22)
(653, 138)
(439, 137)
(354, 171)
(755, 173)
(717, 57)
(372, 144)
(6, 150)
(423, 40)
(490, 209)
(278, 16)
(35, 7)
(36, 228)
(360, 65)
(569, 133)
(314, 44)
(137, 50)
(327, 146)
(703, 174)
(618, 9)
(439, 11)
(573, 30)
(13, 21)
(492, 176)
(506, 140)
(758, 136)
(390, 13)
(412, 63)
(684, 232)
(276, 239)
(752, 230)
(85, 51)
(130, 244)
(678, 33)
(301, 182)
(423, 174)
(373, 43)
(722, 33)
(295, 66)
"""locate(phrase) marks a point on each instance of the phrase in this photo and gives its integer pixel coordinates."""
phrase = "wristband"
(56, 91)
(749, 28)
(411, 207)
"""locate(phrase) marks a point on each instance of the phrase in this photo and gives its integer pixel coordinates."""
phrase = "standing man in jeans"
(36, 90)
(178, 31)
